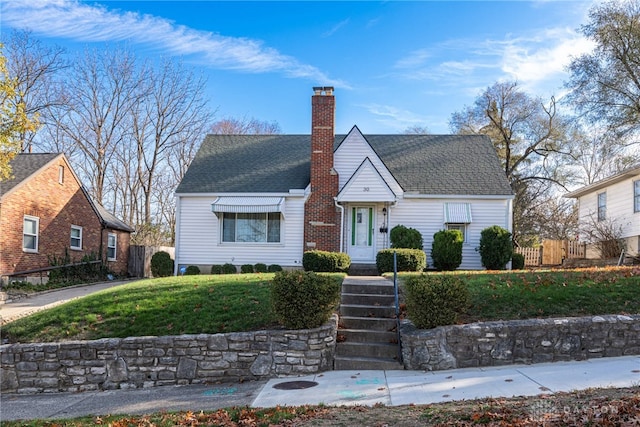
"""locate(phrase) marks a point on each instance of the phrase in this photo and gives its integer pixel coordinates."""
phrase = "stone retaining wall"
(137, 362)
(519, 341)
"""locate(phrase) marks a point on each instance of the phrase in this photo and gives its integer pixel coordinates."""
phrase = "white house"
(268, 198)
(615, 200)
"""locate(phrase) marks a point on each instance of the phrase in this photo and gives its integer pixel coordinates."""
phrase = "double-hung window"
(462, 228)
(636, 196)
(457, 216)
(251, 227)
(602, 206)
(112, 245)
(76, 237)
(30, 229)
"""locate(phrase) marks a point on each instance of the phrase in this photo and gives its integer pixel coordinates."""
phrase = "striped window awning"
(247, 204)
(457, 213)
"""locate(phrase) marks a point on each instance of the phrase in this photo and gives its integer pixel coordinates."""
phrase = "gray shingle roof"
(22, 167)
(423, 164)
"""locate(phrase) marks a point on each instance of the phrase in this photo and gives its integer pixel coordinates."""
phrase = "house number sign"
(365, 189)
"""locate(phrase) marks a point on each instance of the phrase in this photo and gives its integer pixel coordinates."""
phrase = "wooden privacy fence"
(140, 259)
(552, 252)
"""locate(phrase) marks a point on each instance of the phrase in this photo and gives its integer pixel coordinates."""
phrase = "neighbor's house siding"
(427, 216)
(57, 206)
(199, 242)
(620, 210)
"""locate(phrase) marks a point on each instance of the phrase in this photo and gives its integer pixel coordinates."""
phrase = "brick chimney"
(322, 220)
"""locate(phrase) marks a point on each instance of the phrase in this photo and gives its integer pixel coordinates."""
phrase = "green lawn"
(530, 294)
(167, 306)
(241, 302)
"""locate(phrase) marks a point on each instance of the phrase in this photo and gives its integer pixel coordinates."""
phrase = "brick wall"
(322, 220)
(57, 206)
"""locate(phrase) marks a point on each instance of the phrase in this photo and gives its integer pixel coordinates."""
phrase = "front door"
(361, 245)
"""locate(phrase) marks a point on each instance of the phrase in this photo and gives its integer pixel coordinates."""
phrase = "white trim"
(115, 247)
(36, 235)
(457, 196)
(71, 237)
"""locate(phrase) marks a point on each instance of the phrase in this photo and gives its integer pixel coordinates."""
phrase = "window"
(112, 245)
(61, 175)
(461, 227)
(30, 230)
(636, 196)
(76, 237)
(602, 206)
(251, 227)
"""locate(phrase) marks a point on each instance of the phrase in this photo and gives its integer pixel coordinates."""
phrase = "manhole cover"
(295, 385)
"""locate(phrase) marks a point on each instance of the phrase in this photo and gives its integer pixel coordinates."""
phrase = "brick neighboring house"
(45, 211)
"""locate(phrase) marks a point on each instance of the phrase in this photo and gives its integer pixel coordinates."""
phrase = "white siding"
(427, 216)
(198, 238)
(367, 186)
(349, 156)
(620, 210)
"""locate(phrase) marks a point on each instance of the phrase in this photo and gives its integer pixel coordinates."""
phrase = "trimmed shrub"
(216, 269)
(517, 261)
(446, 249)
(246, 268)
(161, 264)
(326, 262)
(274, 268)
(407, 260)
(496, 247)
(229, 269)
(260, 268)
(304, 299)
(192, 270)
(435, 300)
(406, 238)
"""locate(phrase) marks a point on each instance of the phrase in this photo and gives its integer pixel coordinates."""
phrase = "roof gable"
(420, 164)
(603, 183)
(23, 167)
(366, 185)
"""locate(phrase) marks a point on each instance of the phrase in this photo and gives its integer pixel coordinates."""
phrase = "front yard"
(241, 302)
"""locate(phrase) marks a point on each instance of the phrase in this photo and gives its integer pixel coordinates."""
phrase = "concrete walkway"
(336, 388)
(43, 300)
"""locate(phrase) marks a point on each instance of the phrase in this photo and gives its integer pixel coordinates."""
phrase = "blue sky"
(394, 64)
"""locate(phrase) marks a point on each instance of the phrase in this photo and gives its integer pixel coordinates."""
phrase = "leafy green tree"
(605, 83)
(13, 118)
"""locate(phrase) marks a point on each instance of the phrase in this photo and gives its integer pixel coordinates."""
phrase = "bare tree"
(36, 68)
(102, 89)
(605, 235)
(417, 130)
(530, 139)
(244, 126)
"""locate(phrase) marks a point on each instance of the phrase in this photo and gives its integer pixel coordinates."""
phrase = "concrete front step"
(375, 289)
(377, 311)
(371, 323)
(346, 363)
(367, 335)
(367, 349)
(368, 299)
(363, 270)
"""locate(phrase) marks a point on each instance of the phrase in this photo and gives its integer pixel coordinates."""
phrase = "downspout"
(335, 201)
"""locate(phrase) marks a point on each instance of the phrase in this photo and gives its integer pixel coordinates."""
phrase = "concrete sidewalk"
(392, 388)
(43, 300)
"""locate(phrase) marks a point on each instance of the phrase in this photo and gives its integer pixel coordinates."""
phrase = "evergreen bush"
(229, 268)
(446, 249)
(304, 299)
(246, 268)
(405, 238)
(496, 247)
(407, 260)
(260, 268)
(274, 268)
(192, 270)
(161, 264)
(435, 300)
(326, 262)
(517, 262)
(216, 269)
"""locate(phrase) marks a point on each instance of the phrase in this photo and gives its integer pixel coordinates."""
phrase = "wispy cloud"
(82, 22)
(396, 118)
(537, 61)
(335, 28)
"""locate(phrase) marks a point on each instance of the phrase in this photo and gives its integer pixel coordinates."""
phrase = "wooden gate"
(140, 259)
(552, 253)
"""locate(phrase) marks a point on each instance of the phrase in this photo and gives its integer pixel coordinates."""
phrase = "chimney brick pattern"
(322, 219)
